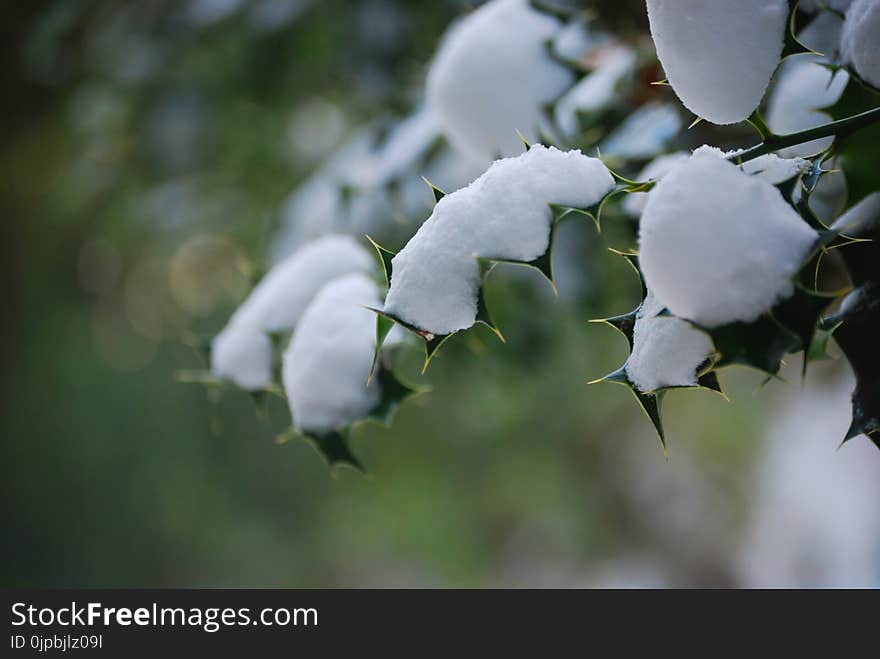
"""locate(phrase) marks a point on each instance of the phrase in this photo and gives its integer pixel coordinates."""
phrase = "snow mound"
(667, 351)
(492, 74)
(242, 352)
(504, 214)
(860, 44)
(717, 245)
(719, 56)
(329, 357)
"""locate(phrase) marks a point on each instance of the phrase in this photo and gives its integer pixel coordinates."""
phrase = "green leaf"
(385, 257)
(393, 394)
(624, 324)
(818, 350)
(384, 325)
(484, 318)
(432, 341)
(791, 44)
(761, 344)
(333, 447)
(857, 337)
(650, 403)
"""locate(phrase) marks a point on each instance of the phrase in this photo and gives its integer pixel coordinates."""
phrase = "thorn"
(525, 142)
(437, 192)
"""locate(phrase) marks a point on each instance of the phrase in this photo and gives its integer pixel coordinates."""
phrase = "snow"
(803, 87)
(241, 352)
(823, 36)
(492, 74)
(860, 43)
(717, 245)
(860, 214)
(816, 5)
(667, 351)
(829, 197)
(773, 169)
(815, 521)
(644, 133)
(597, 90)
(770, 168)
(277, 302)
(504, 214)
(574, 40)
(363, 167)
(634, 203)
(329, 357)
(719, 56)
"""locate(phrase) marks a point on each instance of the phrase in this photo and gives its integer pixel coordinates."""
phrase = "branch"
(841, 128)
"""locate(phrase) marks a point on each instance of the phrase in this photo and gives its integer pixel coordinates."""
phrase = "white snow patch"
(823, 36)
(803, 88)
(634, 203)
(504, 214)
(242, 352)
(667, 351)
(829, 197)
(718, 245)
(773, 169)
(865, 211)
(816, 5)
(491, 75)
(644, 133)
(770, 168)
(815, 521)
(860, 44)
(329, 357)
(719, 56)
(349, 192)
(597, 90)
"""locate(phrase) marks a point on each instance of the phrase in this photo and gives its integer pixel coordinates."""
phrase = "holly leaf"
(333, 447)
(650, 403)
(385, 257)
(394, 393)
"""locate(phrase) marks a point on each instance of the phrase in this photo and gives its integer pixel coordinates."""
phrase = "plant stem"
(840, 128)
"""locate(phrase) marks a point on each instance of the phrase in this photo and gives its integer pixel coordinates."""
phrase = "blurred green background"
(147, 147)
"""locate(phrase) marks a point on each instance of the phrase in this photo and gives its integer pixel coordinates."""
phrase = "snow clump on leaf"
(719, 246)
(634, 203)
(504, 215)
(330, 355)
(770, 168)
(803, 88)
(491, 76)
(242, 352)
(667, 351)
(719, 55)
